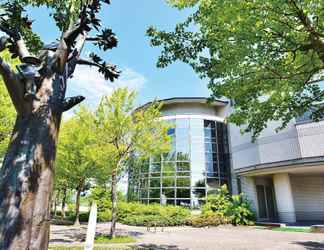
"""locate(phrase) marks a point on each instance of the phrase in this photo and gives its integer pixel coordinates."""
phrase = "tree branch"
(109, 71)
(70, 102)
(14, 86)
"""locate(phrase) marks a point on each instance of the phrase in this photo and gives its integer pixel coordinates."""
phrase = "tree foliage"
(123, 131)
(266, 56)
(7, 113)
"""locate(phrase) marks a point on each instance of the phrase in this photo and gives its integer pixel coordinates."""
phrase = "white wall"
(249, 191)
(190, 109)
(269, 146)
(308, 193)
(311, 138)
(284, 198)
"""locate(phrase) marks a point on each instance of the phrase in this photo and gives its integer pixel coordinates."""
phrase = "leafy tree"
(7, 114)
(76, 166)
(267, 56)
(38, 93)
(125, 132)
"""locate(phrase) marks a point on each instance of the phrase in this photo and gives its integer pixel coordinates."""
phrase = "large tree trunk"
(77, 207)
(26, 181)
(63, 204)
(113, 203)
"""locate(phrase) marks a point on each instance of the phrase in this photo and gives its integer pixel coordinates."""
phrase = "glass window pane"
(144, 183)
(155, 182)
(170, 202)
(183, 193)
(169, 167)
(156, 167)
(183, 182)
(198, 180)
(156, 174)
(153, 201)
(168, 182)
(144, 168)
(209, 124)
(182, 123)
(183, 174)
(143, 193)
(213, 183)
(169, 193)
(210, 147)
(185, 203)
(154, 193)
(196, 123)
(199, 193)
(183, 166)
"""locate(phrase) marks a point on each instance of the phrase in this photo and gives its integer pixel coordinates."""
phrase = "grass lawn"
(118, 239)
(292, 229)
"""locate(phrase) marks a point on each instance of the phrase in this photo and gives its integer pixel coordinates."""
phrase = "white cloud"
(89, 82)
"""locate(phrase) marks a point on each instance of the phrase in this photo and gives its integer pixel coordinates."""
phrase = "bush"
(234, 208)
(207, 219)
(139, 214)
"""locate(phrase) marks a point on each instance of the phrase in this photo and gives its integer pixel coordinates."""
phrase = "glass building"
(198, 162)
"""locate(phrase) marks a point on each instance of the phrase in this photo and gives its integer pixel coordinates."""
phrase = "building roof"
(200, 100)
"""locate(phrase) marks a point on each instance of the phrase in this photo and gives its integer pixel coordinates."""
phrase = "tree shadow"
(310, 245)
(157, 247)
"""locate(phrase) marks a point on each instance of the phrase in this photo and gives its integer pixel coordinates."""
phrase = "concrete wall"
(308, 194)
(192, 109)
(284, 198)
(311, 138)
(269, 147)
(249, 191)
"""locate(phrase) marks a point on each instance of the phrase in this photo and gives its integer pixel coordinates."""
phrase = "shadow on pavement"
(310, 245)
(158, 247)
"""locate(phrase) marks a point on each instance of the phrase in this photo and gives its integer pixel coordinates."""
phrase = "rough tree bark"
(113, 203)
(26, 177)
(38, 94)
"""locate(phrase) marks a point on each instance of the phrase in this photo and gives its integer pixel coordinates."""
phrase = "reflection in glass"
(155, 193)
(199, 193)
(196, 165)
(183, 166)
(183, 193)
(155, 182)
(183, 182)
(168, 192)
(168, 182)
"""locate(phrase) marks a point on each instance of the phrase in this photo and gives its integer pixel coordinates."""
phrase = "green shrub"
(84, 216)
(104, 216)
(207, 219)
(138, 214)
(232, 207)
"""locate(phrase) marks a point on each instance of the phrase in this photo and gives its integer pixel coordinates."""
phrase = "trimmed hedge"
(138, 214)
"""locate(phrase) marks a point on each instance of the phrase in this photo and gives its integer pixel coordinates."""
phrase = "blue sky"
(129, 19)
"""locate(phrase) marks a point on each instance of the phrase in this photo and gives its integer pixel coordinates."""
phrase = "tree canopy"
(7, 113)
(266, 56)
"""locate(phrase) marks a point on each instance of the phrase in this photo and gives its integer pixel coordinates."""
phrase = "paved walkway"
(181, 238)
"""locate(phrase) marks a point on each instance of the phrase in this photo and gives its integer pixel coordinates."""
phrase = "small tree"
(124, 132)
(76, 167)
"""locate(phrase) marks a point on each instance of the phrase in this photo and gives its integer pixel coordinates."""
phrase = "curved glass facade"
(196, 166)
